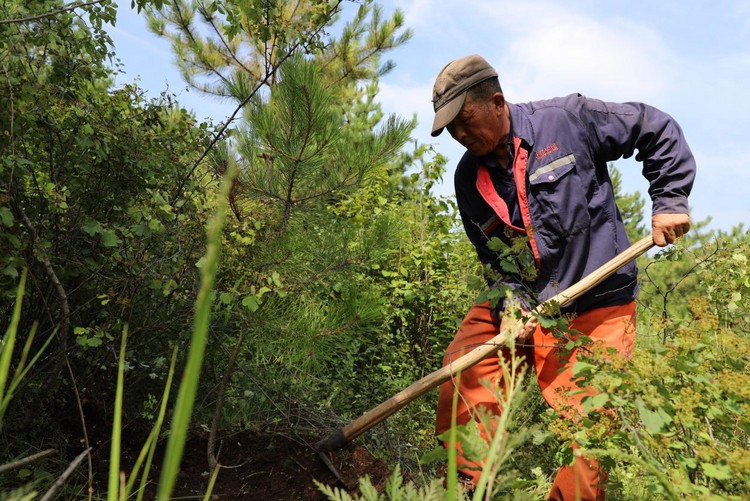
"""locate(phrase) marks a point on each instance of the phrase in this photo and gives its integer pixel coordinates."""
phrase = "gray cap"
(449, 92)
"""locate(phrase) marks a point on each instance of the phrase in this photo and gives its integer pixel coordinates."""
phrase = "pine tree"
(237, 45)
(630, 206)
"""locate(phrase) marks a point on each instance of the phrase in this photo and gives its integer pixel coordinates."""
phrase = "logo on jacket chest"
(546, 151)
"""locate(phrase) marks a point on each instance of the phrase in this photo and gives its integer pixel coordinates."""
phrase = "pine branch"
(231, 118)
(210, 20)
(185, 25)
(341, 329)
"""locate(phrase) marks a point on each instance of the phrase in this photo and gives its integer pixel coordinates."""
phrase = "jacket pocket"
(560, 196)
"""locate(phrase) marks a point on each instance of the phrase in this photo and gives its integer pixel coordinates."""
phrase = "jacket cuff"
(670, 205)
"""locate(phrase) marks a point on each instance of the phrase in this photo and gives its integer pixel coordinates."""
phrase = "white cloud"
(553, 51)
(149, 44)
(406, 99)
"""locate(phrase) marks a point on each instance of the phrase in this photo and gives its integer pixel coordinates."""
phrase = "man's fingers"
(529, 328)
(667, 228)
(659, 238)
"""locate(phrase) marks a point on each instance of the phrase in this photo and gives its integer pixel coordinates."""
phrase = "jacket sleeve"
(617, 130)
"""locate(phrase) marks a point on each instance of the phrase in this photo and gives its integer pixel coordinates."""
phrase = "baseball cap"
(451, 84)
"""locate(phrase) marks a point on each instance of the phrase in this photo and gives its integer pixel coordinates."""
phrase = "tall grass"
(114, 451)
(7, 344)
(149, 448)
(189, 384)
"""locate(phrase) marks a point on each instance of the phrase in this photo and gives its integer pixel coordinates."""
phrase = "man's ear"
(498, 100)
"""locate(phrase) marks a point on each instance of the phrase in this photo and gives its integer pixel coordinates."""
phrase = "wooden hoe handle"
(341, 437)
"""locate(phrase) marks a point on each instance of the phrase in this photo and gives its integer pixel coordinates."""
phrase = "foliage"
(682, 404)
(342, 277)
(88, 213)
(395, 490)
(235, 46)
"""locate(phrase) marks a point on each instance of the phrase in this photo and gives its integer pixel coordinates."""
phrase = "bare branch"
(52, 276)
(213, 459)
(50, 494)
(27, 460)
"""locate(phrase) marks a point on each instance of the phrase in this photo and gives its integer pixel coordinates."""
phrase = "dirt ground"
(275, 467)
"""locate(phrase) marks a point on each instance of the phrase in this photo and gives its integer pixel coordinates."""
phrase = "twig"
(83, 423)
(60, 481)
(638, 440)
(350, 323)
(665, 295)
(27, 460)
(213, 460)
(52, 276)
(710, 430)
(51, 13)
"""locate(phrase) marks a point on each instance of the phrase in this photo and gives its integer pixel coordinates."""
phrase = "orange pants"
(613, 326)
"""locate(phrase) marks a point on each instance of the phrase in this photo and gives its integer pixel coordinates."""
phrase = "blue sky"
(689, 58)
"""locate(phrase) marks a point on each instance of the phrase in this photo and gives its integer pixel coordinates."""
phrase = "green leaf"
(10, 271)
(92, 227)
(474, 447)
(717, 471)
(251, 302)
(7, 216)
(109, 238)
(155, 225)
(654, 421)
(475, 283)
(579, 368)
(495, 244)
(547, 322)
(595, 402)
(437, 454)
(542, 437)
(509, 266)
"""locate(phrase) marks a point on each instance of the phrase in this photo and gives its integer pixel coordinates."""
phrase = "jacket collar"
(521, 124)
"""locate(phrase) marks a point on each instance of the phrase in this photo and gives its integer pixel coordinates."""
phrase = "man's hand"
(528, 328)
(667, 228)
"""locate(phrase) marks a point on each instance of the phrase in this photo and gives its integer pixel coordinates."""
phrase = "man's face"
(480, 125)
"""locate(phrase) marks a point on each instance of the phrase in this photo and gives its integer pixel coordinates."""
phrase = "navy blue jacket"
(560, 152)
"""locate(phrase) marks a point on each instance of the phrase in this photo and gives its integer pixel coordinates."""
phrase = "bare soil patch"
(271, 466)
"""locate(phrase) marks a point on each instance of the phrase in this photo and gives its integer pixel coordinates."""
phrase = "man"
(539, 170)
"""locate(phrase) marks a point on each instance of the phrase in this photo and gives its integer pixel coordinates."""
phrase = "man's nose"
(457, 132)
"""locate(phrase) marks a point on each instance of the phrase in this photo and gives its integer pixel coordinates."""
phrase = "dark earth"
(276, 466)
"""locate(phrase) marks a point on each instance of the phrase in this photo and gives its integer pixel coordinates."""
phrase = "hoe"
(341, 437)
